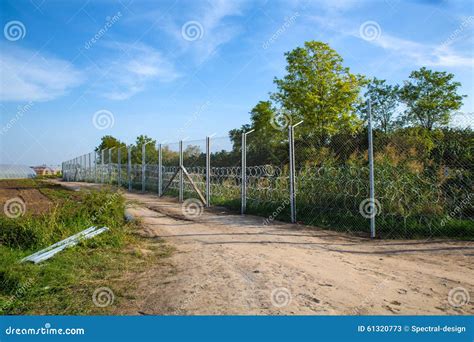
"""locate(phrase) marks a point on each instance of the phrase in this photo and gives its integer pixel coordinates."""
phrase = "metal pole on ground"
(291, 144)
(181, 179)
(371, 174)
(243, 172)
(160, 170)
(129, 167)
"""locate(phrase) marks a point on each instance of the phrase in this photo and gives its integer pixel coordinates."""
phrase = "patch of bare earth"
(35, 201)
(231, 264)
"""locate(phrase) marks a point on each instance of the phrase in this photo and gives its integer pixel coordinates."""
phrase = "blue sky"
(73, 71)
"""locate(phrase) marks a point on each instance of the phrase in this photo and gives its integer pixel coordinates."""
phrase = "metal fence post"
(110, 165)
(181, 179)
(371, 174)
(243, 172)
(143, 167)
(129, 167)
(208, 172)
(291, 144)
(160, 171)
(292, 173)
(89, 172)
(119, 167)
(102, 160)
(95, 166)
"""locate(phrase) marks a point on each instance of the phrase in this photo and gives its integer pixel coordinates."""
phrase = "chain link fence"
(297, 176)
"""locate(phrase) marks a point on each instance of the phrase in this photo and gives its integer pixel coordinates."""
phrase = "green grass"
(65, 283)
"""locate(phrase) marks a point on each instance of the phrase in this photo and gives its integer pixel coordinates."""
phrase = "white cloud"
(410, 52)
(138, 65)
(217, 29)
(28, 75)
(423, 54)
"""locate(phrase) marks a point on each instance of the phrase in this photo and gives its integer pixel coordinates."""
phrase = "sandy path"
(230, 264)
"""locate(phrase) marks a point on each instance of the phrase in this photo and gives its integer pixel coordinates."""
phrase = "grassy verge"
(65, 283)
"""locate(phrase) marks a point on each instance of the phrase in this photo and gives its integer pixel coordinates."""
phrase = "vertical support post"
(119, 167)
(291, 144)
(371, 174)
(95, 166)
(129, 167)
(208, 172)
(181, 179)
(143, 167)
(160, 170)
(89, 172)
(102, 160)
(243, 172)
(110, 165)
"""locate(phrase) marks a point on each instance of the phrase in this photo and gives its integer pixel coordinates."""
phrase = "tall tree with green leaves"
(107, 142)
(151, 153)
(320, 90)
(430, 97)
(384, 103)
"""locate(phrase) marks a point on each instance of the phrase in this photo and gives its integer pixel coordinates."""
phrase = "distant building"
(44, 170)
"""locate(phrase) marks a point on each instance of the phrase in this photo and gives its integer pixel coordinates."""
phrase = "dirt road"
(231, 264)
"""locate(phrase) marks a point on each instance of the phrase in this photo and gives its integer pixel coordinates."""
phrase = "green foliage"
(319, 90)
(430, 97)
(64, 284)
(384, 100)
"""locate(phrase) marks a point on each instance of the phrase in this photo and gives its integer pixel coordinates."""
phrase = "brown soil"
(35, 201)
(232, 264)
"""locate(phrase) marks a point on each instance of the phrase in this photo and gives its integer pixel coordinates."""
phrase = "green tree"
(107, 142)
(430, 97)
(319, 90)
(151, 153)
(384, 102)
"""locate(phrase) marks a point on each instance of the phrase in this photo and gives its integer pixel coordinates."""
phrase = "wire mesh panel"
(421, 192)
(225, 175)
(268, 175)
(332, 180)
(170, 162)
(194, 161)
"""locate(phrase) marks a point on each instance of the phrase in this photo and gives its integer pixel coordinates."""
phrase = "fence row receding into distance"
(331, 182)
